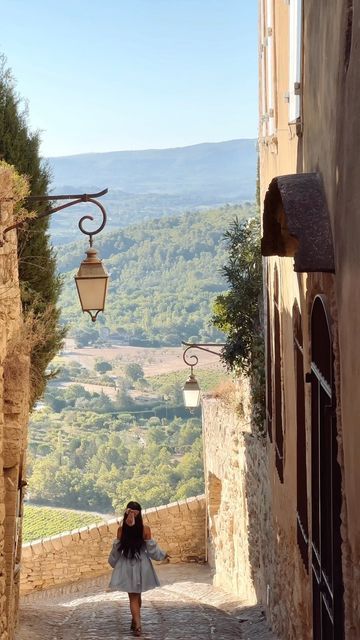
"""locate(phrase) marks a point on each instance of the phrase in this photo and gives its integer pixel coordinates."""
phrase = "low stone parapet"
(179, 528)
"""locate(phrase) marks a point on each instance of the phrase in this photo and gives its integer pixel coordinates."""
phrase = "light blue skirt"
(137, 574)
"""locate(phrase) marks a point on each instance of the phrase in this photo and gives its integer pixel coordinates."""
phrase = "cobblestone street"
(186, 607)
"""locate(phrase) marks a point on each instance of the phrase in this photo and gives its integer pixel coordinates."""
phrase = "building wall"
(236, 486)
(14, 407)
(325, 140)
(179, 529)
(249, 549)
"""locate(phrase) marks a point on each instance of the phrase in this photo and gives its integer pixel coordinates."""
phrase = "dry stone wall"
(179, 528)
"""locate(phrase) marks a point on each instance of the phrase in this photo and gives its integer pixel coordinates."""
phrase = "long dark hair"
(132, 538)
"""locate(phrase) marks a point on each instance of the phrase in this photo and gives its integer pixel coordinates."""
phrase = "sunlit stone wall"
(179, 529)
(14, 404)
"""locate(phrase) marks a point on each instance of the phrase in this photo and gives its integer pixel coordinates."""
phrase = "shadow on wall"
(214, 502)
(278, 572)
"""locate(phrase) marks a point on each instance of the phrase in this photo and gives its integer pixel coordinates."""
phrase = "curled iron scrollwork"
(74, 200)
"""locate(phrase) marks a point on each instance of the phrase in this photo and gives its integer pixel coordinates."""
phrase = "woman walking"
(133, 571)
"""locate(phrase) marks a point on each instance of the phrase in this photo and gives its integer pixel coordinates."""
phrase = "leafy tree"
(189, 433)
(57, 404)
(40, 286)
(134, 371)
(101, 366)
(238, 313)
(84, 337)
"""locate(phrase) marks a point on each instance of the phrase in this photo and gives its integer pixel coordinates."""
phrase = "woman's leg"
(135, 600)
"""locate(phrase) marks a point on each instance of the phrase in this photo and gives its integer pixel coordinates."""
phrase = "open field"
(154, 361)
(93, 388)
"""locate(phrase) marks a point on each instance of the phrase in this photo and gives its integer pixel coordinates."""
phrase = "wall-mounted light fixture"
(91, 279)
(191, 388)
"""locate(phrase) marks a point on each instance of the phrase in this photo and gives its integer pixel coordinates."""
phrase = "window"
(267, 68)
(295, 58)
(263, 71)
(301, 472)
(270, 106)
(279, 434)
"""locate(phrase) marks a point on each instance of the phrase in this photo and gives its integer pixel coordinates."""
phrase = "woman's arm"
(118, 535)
(147, 532)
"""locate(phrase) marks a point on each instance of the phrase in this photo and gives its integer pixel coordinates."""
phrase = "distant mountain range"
(156, 182)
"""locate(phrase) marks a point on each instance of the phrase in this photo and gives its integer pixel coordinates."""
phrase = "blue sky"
(134, 74)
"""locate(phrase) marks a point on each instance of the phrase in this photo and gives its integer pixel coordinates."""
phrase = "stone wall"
(236, 489)
(179, 528)
(14, 408)
(251, 553)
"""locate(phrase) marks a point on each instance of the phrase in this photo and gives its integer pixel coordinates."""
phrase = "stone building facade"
(14, 409)
(310, 187)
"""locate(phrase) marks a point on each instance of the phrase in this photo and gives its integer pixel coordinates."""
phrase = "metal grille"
(268, 372)
(326, 486)
(301, 470)
(279, 434)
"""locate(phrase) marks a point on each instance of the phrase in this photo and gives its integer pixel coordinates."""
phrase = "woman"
(134, 572)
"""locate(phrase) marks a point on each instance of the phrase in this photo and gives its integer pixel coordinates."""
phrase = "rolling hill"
(156, 182)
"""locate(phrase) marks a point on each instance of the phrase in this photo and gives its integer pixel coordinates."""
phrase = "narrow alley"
(186, 607)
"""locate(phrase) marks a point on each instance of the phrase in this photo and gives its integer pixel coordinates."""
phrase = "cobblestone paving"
(187, 607)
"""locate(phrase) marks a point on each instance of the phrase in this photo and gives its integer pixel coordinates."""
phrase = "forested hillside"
(164, 276)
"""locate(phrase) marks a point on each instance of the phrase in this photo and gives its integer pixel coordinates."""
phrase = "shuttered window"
(267, 69)
(295, 59)
(270, 79)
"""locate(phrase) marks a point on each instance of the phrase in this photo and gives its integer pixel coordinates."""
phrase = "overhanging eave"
(296, 223)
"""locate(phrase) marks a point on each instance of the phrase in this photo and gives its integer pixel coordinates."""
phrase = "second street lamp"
(191, 392)
(191, 388)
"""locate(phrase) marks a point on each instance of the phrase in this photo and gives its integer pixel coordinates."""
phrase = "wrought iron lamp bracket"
(74, 200)
(202, 346)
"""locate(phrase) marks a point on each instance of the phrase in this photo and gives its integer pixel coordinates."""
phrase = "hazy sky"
(133, 74)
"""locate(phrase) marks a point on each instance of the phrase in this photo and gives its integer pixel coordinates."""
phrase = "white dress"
(135, 575)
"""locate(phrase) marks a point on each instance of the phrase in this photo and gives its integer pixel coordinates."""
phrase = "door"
(327, 583)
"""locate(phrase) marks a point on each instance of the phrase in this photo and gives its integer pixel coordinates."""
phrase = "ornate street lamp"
(91, 279)
(191, 388)
(191, 391)
(91, 282)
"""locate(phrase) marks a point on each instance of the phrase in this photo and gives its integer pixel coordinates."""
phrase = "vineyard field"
(41, 522)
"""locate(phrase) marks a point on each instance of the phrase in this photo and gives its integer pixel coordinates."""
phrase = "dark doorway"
(327, 583)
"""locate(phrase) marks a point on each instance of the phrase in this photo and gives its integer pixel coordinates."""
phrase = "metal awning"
(296, 223)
